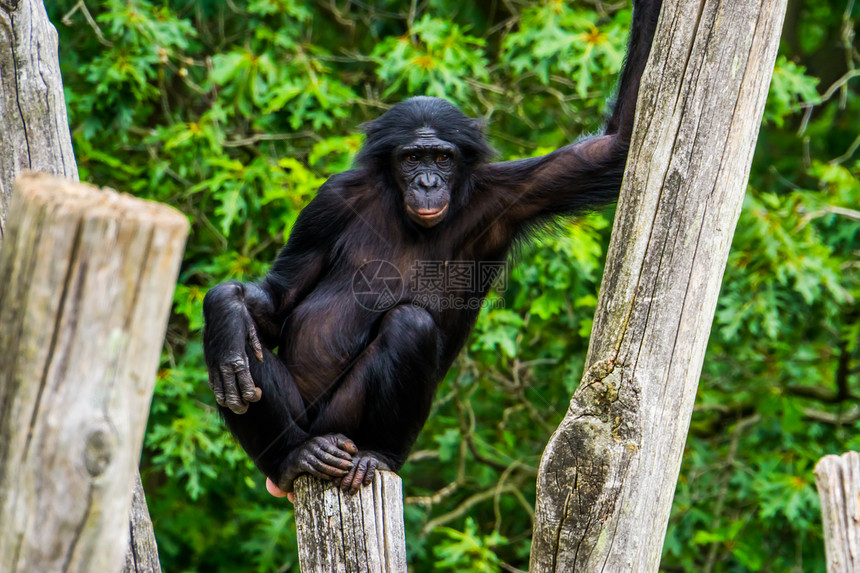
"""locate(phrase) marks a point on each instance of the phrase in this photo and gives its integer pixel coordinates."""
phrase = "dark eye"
(443, 158)
(411, 158)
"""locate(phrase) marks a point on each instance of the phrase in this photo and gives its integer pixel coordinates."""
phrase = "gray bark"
(34, 127)
(838, 481)
(87, 279)
(361, 533)
(34, 135)
(142, 554)
(608, 474)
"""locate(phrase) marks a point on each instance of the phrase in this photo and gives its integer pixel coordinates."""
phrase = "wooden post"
(361, 533)
(838, 481)
(87, 279)
(142, 554)
(34, 135)
(608, 474)
(34, 128)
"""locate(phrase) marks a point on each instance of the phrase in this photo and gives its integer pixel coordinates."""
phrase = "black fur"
(351, 386)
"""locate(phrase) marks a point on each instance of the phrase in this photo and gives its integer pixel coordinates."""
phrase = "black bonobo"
(351, 383)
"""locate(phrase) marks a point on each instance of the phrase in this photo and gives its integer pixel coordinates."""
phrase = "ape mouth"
(427, 217)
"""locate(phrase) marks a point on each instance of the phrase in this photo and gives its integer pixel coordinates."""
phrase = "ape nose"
(427, 182)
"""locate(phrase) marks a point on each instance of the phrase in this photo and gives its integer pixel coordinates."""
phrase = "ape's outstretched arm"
(645, 15)
(581, 175)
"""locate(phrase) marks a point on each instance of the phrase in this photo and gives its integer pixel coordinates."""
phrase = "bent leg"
(274, 430)
(385, 399)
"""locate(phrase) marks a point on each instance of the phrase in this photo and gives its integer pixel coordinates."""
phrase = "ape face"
(425, 170)
(425, 150)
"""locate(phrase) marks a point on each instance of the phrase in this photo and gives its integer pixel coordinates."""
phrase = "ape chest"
(419, 278)
(444, 277)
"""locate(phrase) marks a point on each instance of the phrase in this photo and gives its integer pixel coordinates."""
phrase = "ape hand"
(230, 330)
(327, 457)
(364, 465)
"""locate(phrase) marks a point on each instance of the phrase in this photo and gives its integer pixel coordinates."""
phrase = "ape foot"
(327, 457)
(364, 465)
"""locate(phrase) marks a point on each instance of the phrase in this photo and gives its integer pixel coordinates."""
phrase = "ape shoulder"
(329, 210)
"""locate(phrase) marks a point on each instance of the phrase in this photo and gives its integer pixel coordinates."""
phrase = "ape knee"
(226, 293)
(412, 321)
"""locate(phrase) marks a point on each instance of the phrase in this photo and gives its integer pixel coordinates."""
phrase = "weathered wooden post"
(838, 481)
(86, 284)
(142, 554)
(34, 128)
(34, 135)
(361, 533)
(608, 474)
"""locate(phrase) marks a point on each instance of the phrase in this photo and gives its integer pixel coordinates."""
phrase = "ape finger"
(321, 470)
(250, 392)
(347, 479)
(334, 450)
(345, 443)
(253, 339)
(357, 477)
(236, 405)
(371, 469)
(333, 461)
(217, 387)
(231, 392)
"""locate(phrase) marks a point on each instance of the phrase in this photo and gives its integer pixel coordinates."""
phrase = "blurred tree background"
(236, 111)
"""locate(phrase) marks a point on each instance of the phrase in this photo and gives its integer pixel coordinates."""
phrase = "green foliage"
(434, 57)
(556, 39)
(790, 89)
(467, 551)
(236, 112)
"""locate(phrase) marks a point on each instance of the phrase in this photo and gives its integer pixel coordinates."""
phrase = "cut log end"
(86, 285)
(45, 190)
(360, 532)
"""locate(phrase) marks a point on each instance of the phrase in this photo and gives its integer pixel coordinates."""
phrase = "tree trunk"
(142, 554)
(87, 279)
(608, 474)
(361, 533)
(838, 481)
(34, 135)
(34, 128)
